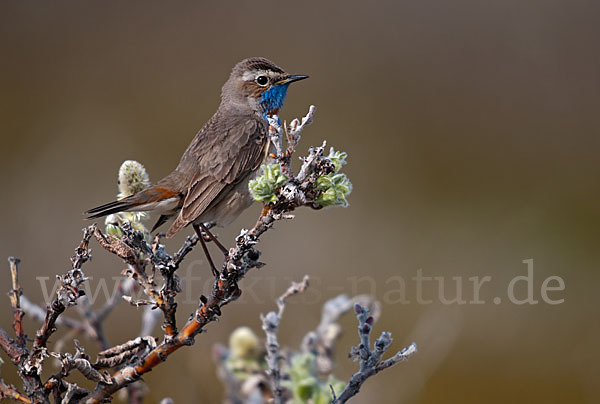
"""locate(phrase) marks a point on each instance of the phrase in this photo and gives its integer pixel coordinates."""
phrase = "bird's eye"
(262, 80)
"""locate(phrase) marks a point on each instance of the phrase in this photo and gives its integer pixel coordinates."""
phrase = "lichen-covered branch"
(292, 136)
(282, 374)
(320, 342)
(68, 291)
(134, 250)
(120, 354)
(370, 358)
(80, 362)
(270, 325)
(29, 361)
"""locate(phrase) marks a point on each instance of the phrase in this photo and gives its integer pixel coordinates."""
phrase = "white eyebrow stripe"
(249, 76)
(252, 75)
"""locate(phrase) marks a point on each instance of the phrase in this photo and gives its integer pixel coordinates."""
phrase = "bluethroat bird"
(210, 184)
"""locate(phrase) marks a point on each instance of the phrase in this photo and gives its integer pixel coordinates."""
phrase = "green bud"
(263, 188)
(113, 229)
(333, 189)
(338, 158)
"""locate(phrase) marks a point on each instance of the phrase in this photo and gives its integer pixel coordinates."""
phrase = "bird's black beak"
(291, 78)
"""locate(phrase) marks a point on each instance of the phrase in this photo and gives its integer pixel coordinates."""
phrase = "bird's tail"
(152, 198)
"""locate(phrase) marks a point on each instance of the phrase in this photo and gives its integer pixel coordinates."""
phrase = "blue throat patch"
(273, 98)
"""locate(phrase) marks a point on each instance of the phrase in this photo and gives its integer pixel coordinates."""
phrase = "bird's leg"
(214, 239)
(205, 248)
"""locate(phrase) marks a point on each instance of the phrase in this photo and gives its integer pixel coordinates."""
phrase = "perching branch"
(242, 257)
(317, 184)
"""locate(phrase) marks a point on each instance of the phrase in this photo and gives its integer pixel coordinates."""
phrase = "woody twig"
(29, 362)
(370, 359)
(15, 300)
(9, 391)
(270, 325)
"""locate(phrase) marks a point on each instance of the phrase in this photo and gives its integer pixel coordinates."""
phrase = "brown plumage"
(210, 183)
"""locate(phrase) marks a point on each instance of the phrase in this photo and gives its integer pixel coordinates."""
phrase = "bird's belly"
(229, 205)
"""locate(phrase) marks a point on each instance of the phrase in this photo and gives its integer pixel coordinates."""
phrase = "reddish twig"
(8, 391)
(15, 300)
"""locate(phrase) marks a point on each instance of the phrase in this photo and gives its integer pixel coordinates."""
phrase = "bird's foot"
(214, 239)
(215, 272)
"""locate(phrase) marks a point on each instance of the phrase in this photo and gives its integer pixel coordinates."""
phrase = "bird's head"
(259, 84)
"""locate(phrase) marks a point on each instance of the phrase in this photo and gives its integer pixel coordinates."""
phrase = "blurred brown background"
(473, 135)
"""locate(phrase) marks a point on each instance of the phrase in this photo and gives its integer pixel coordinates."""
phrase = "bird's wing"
(225, 154)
